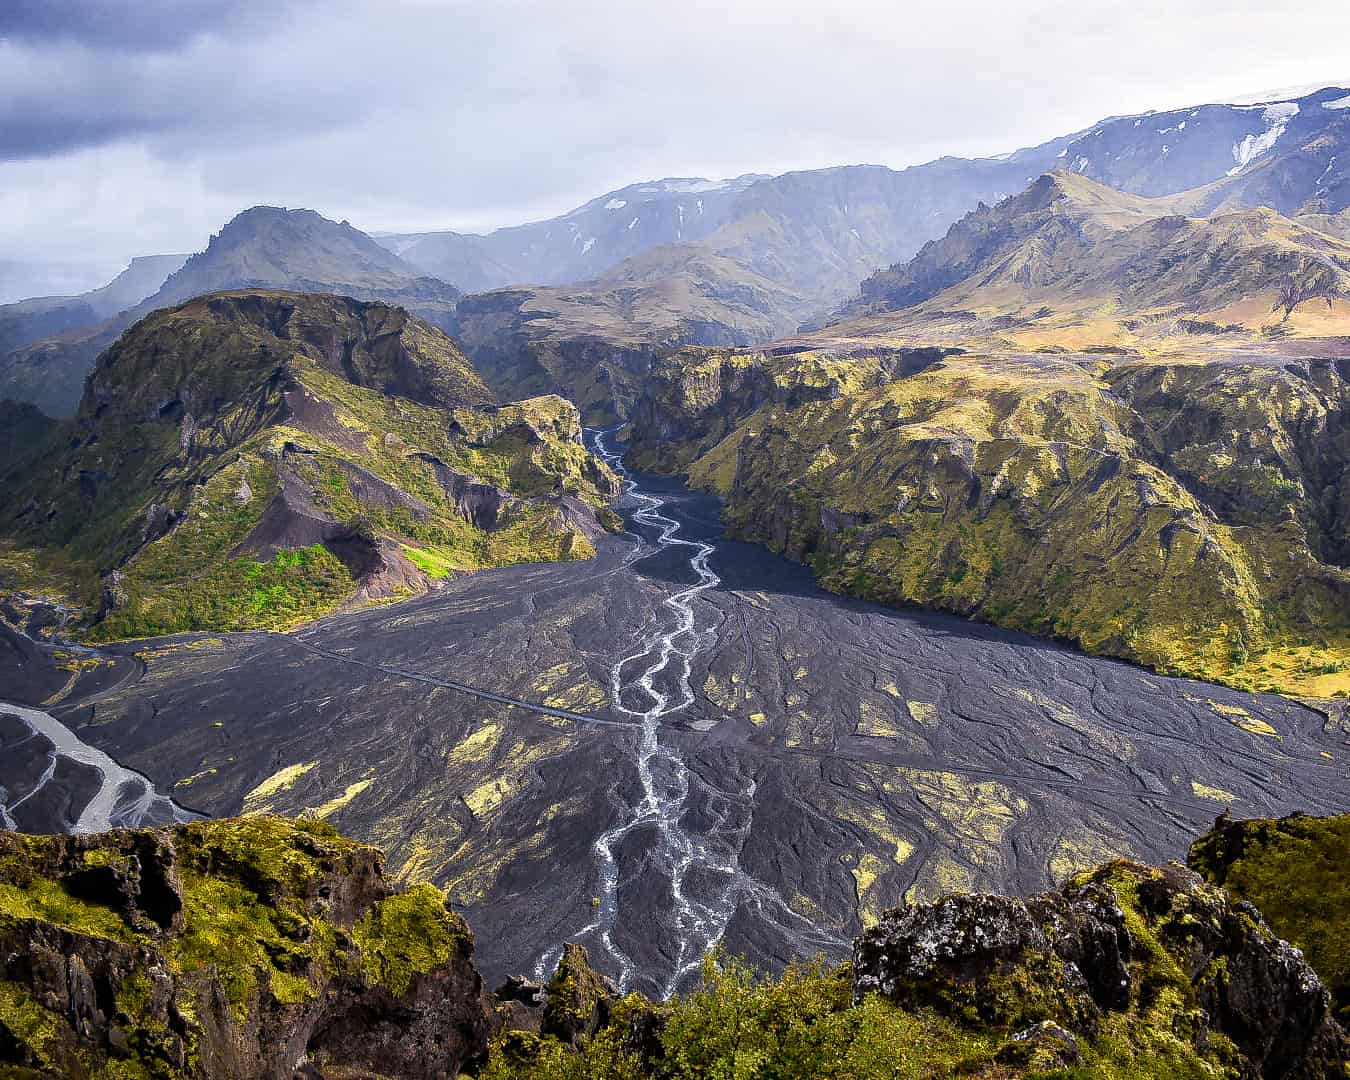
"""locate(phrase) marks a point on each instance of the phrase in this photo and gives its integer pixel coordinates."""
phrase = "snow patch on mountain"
(1339, 103)
(1277, 117)
(616, 204)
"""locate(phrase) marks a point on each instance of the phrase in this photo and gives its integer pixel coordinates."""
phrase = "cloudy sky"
(140, 126)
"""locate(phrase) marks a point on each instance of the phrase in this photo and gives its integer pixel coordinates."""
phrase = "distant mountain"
(855, 217)
(787, 249)
(1070, 257)
(47, 316)
(1291, 155)
(579, 245)
(265, 247)
(774, 253)
(255, 458)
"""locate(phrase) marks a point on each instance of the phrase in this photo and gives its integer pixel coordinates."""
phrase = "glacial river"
(684, 743)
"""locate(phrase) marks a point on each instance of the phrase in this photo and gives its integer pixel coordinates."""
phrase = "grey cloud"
(131, 128)
(139, 26)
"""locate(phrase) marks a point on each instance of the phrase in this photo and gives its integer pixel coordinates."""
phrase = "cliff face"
(231, 949)
(1293, 869)
(693, 398)
(1053, 493)
(254, 459)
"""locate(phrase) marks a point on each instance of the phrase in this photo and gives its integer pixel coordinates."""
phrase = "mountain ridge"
(258, 458)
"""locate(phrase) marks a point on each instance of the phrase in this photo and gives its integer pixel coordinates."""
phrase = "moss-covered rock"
(1049, 493)
(228, 949)
(252, 460)
(579, 1000)
(1295, 870)
(1127, 973)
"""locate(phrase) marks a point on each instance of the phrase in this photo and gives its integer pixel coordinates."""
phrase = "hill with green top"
(253, 459)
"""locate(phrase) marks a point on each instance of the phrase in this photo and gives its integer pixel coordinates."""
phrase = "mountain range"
(661, 264)
(431, 539)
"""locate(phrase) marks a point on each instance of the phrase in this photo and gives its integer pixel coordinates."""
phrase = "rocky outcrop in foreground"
(1151, 956)
(250, 948)
(267, 948)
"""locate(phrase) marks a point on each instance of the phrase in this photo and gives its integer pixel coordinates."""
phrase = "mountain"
(786, 248)
(237, 947)
(267, 247)
(261, 248)
(256, 458)
(47, 316)
(578, 245)
(1074, 395)
(794, 245)
(1058, 254)
(1290, 155)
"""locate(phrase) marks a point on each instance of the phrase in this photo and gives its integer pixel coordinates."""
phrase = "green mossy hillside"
(253, 460)
(1189, 516)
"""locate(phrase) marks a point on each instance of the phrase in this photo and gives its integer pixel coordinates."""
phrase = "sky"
(139, 127)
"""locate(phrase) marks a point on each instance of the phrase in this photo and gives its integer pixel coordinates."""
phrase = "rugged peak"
(275, 247)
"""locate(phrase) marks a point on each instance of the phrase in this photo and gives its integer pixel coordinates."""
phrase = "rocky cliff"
(255, 458)
(232, 949)
(1048, 492)
(266, 948)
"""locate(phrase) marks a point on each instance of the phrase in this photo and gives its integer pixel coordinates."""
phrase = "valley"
(413, 642)
(684, 742)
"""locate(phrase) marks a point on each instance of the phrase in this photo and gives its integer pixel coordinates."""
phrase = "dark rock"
(580, 999)
(1122, 938)
(246, 948)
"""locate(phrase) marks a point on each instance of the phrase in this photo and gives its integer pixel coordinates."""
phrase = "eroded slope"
(253, 459)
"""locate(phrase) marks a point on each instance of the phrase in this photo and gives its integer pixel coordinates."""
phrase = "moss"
(1293, 870)
(28, 896)
(26, 1021)
(245, 912)
(408, 935)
